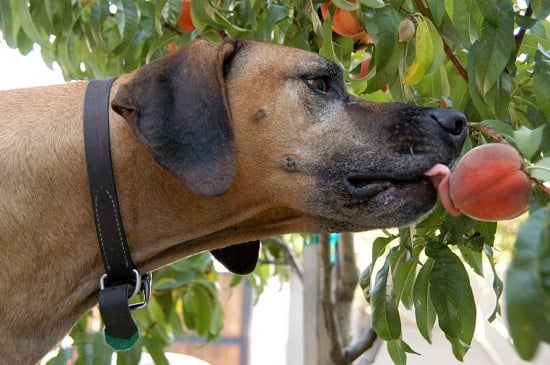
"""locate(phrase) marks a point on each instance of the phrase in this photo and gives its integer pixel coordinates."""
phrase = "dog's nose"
(453, 122)
(450, 120)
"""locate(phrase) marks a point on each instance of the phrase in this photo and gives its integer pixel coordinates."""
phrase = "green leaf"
(541, 169)
(379, 246)
(346, 5)
(438, 50)
(373, 3)
(467, 20)
(473, 258)
(541, 8)
(397, 352)
(131, 356)
(156, 351)
(528, 141)
(155, 310)
(459, 348)
(437, 9)
(27, 23)
(175, 319)
(202, 310)
(98, 16)
(385, 317)
(423, 307)
(451, 294)
(9, 24)
(171, 11)
(489, 55)
(499, 127)
(382, 24)
(365, 282)
(403, 282)
(127, 20)
(327, 47)
(525, 298)
(541, 79)
(424, 52)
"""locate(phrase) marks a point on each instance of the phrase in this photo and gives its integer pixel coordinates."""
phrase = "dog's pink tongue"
(440, 175)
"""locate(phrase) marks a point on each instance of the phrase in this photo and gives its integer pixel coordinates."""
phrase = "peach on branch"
(488, 183)
(345, 22)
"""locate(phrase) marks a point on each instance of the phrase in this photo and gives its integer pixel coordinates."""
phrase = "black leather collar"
(121, 280)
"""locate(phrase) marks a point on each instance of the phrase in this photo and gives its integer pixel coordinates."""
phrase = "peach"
(185, 22)
(345, 22)
(406, 30)
(488, 183)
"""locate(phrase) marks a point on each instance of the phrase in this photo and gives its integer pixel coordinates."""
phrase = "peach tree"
(487, 58)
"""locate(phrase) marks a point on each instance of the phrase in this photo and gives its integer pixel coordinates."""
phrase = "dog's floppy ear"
(178, 108)
(239, 259)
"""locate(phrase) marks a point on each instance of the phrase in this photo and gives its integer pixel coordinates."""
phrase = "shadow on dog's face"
(350, 164)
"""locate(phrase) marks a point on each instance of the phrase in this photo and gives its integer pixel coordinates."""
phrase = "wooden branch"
(488, 131)
(448, 51)
(348, 274)
(521, 32)
(360, 346)
(346, 279)
(172, 28)
(327, 304)
(290, 256)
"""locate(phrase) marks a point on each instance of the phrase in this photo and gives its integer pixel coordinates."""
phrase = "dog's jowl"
(212, 146)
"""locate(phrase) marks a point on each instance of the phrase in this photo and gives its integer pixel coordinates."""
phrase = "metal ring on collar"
(137, 287)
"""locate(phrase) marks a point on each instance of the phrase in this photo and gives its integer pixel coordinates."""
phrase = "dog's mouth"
(364, 187)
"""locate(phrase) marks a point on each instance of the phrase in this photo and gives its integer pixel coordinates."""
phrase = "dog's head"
(279, 122)
(351, 164)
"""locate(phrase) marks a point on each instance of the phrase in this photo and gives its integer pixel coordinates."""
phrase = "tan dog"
(286, 150)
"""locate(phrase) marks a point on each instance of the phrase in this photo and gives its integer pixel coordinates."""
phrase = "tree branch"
(348, 274)
(521, 32)
(290, 256)
(347, 277)
(326, 302)
(172, 28)
(345, 283)
(488, 131)
(360, 346)
(448, 51)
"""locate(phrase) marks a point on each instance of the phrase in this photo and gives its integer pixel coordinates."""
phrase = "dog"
(214, 146)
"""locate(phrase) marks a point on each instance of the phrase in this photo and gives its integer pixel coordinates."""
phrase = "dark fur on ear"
(240, 259)
(178, 108)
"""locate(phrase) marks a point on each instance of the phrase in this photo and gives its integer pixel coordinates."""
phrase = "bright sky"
(18, 71)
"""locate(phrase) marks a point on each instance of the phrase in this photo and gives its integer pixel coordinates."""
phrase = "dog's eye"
(319, 84)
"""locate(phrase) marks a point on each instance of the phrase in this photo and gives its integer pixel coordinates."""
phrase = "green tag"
(121, 344)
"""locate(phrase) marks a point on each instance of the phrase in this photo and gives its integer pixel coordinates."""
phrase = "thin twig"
(521, 32)
(290, 256)
(172, 28)
(489, 132)
(448, 51)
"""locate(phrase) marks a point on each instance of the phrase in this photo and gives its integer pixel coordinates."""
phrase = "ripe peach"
(185, 22)
(488, 183)
(345, 22)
